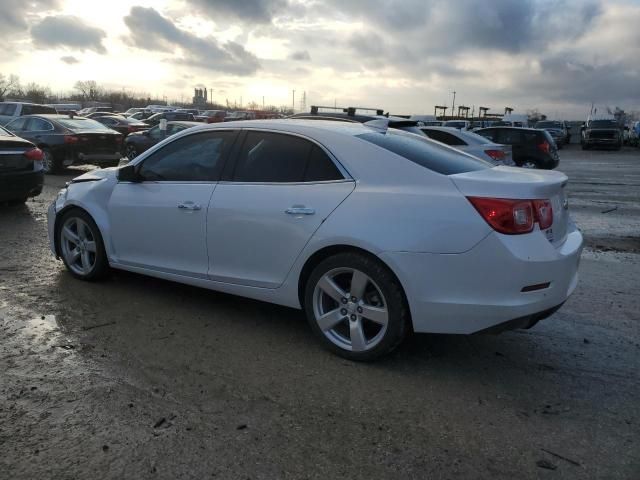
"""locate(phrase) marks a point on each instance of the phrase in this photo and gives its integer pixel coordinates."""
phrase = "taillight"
(71, 139)
(34, 154)
(513, 217)
(544, 213)
(544, 147)
(497, 155)
(131, 129)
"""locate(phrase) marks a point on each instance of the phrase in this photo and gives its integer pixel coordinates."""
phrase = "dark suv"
(601, 133)
(351, 114)
(532, 148)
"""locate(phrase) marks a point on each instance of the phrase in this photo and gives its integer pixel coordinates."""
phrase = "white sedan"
(374, 232)
(471, 143)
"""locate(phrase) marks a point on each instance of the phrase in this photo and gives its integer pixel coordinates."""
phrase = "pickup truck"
(601, 133)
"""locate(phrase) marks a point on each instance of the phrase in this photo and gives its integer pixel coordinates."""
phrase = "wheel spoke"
(85, 259)
(358, 341)
(70, 236)
(375, 314)
(73, 255)
(82, 229)
(330, 320)
(328, 286)
(358, 284)
(90, 246)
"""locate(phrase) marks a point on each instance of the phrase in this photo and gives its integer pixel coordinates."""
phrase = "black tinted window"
(320, 167)
(426, 153)
(272, 157)
(444, 137)
(35, 109)
(510, 137)
(196, 157)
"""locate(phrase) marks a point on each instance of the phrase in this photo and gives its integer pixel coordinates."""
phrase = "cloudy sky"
(401, 55)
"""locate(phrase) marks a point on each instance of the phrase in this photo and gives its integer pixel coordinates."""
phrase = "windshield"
(82, 124)
(604, 124)
(427, 153)
(455, 124)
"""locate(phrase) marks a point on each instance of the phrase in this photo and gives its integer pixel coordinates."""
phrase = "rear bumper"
(482, 288)
(15, 185)
(602, 141)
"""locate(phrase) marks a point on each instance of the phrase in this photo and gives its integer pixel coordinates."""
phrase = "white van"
(11, 110)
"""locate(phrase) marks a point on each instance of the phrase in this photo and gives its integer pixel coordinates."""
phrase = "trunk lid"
(519, 183)
(91, 143)
(12, 157)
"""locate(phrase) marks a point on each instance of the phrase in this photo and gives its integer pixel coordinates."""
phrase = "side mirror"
(128, 173)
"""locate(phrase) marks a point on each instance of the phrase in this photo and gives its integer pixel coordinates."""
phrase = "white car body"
(458, 274)
(471, 143)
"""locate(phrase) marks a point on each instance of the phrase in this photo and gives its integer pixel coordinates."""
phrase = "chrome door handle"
(189, 206)
(299, 210)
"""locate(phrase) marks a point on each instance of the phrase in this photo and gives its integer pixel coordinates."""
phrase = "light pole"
(293, 103)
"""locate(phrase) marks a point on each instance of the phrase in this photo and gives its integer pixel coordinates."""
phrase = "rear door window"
(320, 168)
(39, 125)
(272, 157)
(17, 125)
(426, 153)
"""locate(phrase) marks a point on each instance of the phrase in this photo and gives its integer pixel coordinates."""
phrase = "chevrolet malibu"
(372, 231)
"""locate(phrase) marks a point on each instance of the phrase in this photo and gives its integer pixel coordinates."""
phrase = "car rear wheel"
(131, 152)
(529, 164)
(49, 162)
(81, 246)
(356, 307)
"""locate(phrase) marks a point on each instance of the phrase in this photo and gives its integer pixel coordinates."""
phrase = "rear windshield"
(455, 124)
(549, 125)
(82, 124)
(425, 152)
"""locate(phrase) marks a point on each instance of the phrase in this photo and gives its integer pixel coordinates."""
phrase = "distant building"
(199, 97)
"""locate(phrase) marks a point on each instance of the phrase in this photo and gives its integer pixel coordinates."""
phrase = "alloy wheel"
(78, 246)
(131, 152)
(350, 309)
(529, 164)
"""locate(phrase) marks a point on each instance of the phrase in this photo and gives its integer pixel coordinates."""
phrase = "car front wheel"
(356, 307)
(81, 246)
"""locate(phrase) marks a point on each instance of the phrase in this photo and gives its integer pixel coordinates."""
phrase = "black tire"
(52, 166)
(396, 304)
(100, 269)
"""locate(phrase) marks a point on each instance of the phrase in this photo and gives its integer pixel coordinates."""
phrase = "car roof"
(501, 127)
(293, 125)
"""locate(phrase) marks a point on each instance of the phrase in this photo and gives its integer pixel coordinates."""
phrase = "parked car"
(138, 142)
(154, 119)
(559, 130)
(122, 125)
(142, 116)
(68, 140)
(96, 115)
(234, 116)
(211, 116)
(372, 232)
(193, 111)
(134, 110)
(360, 115)
(532, 148)
(88, 110)
(601, 133)
(472, 144)
(12, 110)
(21, 170)
(459, 124)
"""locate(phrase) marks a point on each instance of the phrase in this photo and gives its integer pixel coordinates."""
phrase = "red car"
(211, 116)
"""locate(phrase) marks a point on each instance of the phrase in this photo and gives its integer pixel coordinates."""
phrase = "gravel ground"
(141, 378)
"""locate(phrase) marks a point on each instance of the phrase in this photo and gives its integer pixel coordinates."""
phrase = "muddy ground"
(141, 378)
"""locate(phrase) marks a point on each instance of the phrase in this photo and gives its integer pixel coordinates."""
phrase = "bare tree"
(89, 89)
(8, 84)
(37, 93)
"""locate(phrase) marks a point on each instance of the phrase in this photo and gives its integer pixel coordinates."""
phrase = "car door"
(160, 221)
(264, 212)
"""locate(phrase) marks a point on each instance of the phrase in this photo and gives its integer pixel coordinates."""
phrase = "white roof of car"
(297, 126)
